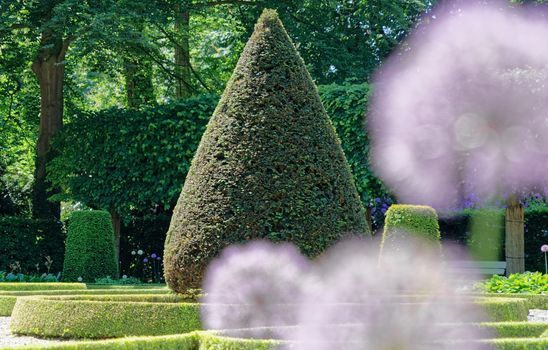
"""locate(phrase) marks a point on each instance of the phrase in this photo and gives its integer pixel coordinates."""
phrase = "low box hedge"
(212, 341)
(109, 316)
(516, 329)
(504, 309)
(11, 286)
(8, 298)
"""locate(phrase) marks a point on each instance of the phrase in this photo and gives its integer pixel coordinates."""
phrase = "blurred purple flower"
(254, 285)
(145, 260)
(448, 118)
(153, 255)
(158, 258)
(544, 248)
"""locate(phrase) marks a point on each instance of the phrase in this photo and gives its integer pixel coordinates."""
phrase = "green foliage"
(534, 283)
(269, 166)
(9, 298)
(90, 250)
(534, 301)
(346, 105)
(26, 243)
(118, 281)
(107, 316)
(516, 329)
(415, 221)
(504, 309)
(12, 277)
(457, 228)
(23, 286)
(536, 234)
(134, 159)
(519, 344)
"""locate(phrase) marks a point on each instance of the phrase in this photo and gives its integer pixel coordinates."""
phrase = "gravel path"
(8, 339)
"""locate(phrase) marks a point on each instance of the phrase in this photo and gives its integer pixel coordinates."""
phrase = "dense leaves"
(90, 251)
(404, 222)
(130, 160)
(25, 245)
(269, 165)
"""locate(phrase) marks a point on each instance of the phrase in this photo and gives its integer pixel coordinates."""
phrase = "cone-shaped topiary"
(268, 166)
(404, 223)
(90, 252)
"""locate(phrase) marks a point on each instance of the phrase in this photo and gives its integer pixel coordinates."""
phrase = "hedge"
(22, 286)
(414, 221)
(106, 316)
(516, 329)
(29, 242)
(269, 166)
(90, 249)
(211, 341)
(109, 315)
(456, 228)
(534, 301)
(504, 309)
(8, 299)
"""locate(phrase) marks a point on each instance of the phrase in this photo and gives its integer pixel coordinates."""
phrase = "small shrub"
(410, 221)
(534, 283)
(90, 250)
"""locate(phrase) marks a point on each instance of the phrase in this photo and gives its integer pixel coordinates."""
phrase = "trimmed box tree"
(405, 222)
(269, 165)
(90, 252)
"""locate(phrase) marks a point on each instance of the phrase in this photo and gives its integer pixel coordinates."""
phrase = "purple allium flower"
(448, 118)
(153, 255)
(544, 248)
(145, 260)
(254, 286)
(158, 258)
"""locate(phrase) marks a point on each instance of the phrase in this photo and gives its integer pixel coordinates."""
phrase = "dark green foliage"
(145, 233)
(456, 228)
(130, 159)
(29, 242)
(90, 251)
(269, 165)
(404, 220)
(536, 234)
(345, 105)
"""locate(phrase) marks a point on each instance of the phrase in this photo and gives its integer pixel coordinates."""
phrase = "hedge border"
(211, 341)
(122, 315)
(8, 299)
(23, 286)
(106, 316)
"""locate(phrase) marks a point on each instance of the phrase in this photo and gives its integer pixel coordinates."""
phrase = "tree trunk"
(515, 230)
(183, 72)
(117, 227)
(138, 76)
(49, 68)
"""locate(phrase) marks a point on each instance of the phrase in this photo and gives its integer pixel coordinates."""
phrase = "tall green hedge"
(90, 251)
(417, 221)
(29, 242)
(138, 159)
(269, 165)
(457, 228)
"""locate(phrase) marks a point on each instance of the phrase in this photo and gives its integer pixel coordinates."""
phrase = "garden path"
(8, 339)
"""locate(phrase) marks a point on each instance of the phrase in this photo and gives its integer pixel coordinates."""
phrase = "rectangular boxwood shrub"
(29, 241)
(90, 248)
